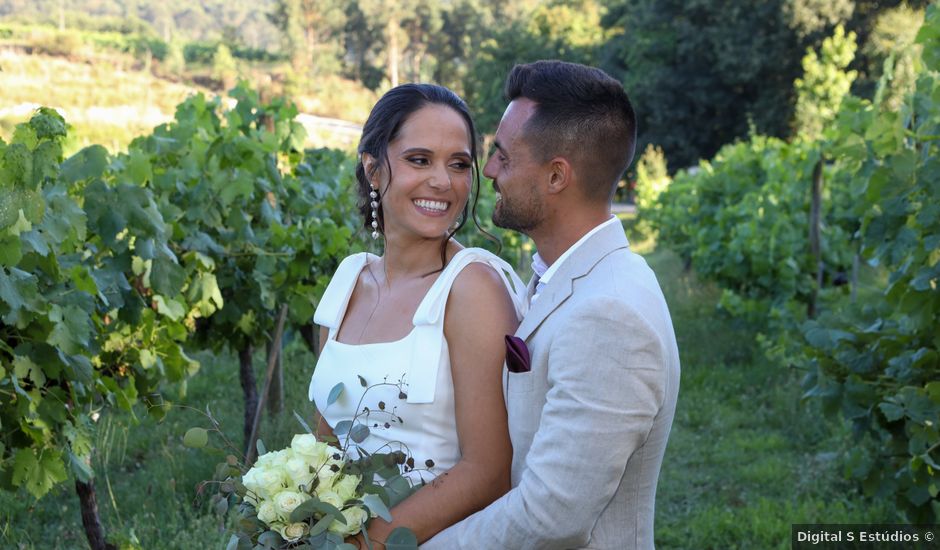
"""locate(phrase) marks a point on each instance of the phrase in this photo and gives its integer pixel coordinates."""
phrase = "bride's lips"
(431, 207)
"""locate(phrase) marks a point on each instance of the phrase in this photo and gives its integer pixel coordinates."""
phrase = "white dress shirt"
(544, 271)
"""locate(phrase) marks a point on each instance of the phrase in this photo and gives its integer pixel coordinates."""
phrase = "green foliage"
(308, 31)
(240, 196)
(81, 327)
(741, 220)
(203, 52)
(553, 30)
(224, 67)
(893, 53)
(652, 178)
(717, 66)
(824, 83)
(878, 362)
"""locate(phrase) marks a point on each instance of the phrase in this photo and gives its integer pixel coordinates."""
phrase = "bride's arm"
(323, 429)
(479, 315)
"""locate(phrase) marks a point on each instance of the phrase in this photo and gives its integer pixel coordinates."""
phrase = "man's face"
(515, 172)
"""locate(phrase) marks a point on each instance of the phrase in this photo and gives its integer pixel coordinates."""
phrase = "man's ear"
(561, 175)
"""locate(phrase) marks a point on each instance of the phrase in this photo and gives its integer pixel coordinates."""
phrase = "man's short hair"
(582, 114)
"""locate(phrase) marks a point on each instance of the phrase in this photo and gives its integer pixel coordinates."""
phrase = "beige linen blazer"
(590, 421)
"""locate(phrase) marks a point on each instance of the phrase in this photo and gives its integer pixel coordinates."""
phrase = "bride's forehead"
(434, 125)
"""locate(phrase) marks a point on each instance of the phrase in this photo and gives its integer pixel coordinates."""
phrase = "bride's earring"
(374, 196)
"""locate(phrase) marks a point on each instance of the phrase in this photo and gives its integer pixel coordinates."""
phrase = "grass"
(147, 480)
(746, 458)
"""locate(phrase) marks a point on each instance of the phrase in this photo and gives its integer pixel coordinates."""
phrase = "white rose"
(316, 452)
(271, 481)
(272, 458)
(328, 474)
(267, 512)
(355, 518)
(286, 501)
(346, 487)
(281, 457)
(252, 481)
(299, 471)
(264, 459)
(293, 531)
(331, 498)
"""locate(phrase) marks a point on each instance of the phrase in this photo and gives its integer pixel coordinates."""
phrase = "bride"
(427, 319)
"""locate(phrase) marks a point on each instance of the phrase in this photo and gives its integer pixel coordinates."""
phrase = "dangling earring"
(374, 195)
(456, 224)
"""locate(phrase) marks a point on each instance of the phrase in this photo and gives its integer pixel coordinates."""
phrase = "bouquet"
(302, 490)
(311, 495)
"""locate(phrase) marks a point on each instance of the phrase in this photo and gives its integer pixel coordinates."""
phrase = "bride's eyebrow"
(424, 151)
(417, 150)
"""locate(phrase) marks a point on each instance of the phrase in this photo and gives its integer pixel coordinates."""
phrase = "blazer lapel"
(579, 264)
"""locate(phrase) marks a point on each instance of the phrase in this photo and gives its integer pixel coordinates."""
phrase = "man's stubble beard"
(522, 220)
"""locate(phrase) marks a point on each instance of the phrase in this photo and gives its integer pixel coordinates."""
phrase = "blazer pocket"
(519, 382)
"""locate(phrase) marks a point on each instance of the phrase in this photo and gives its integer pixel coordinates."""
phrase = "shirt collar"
(544, 271)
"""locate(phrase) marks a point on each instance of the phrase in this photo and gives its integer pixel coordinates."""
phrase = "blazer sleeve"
(607, 378)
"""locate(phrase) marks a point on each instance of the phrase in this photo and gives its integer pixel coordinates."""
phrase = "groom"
(590, 413)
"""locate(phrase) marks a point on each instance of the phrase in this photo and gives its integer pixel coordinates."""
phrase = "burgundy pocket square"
(517, 355)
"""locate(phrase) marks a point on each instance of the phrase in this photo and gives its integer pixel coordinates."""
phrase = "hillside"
(110, 99)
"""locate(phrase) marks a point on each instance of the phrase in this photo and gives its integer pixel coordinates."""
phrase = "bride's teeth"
(432, 205)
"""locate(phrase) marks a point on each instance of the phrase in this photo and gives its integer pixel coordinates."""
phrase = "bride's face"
(430, 174)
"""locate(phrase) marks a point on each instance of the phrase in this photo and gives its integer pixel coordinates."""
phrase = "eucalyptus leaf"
(321, 525)
(359, 433)
(270, 539)
(196, 438)
(401, 538)
(377, 507)
(342, 427)
(303, 423)
(335, 392)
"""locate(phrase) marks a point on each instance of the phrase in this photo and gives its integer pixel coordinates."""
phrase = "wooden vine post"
(273, 356)
(815, 245)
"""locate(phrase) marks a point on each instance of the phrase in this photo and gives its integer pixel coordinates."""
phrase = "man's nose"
(489, 169)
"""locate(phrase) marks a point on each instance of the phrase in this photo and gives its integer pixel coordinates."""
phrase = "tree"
(556, 30)
(824, 83)
(892, 53)
(702, 74)
(388, 15)
(224, 66)
(310, 30)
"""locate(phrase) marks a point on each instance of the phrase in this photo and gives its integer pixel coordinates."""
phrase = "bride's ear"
(368, 166)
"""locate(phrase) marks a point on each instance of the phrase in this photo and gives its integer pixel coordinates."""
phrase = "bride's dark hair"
(385, 121)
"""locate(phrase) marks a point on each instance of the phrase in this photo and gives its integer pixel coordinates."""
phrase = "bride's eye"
(419, 161)
(460, 165)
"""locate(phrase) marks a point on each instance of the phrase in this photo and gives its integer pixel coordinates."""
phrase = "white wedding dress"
(412, 407)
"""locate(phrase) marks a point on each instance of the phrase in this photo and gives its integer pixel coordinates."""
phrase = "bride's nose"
(440, 180)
